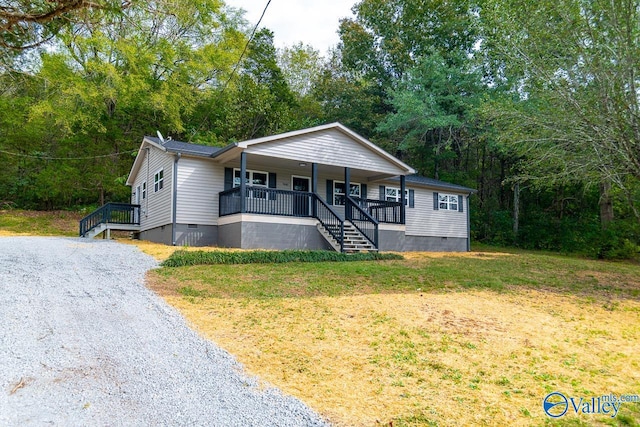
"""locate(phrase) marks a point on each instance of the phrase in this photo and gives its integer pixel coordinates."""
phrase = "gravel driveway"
(84, 343)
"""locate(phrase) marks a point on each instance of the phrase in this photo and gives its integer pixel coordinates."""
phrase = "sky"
(312, 22)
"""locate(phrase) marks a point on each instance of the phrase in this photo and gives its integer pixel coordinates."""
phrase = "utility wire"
(246, 46)
(35, 156)
(235, 68)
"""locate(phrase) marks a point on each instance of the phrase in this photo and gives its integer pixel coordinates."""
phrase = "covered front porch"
(296, 189)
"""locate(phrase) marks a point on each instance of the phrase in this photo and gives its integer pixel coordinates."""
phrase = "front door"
(301, 202)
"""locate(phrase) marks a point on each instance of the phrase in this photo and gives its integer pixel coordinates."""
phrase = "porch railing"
(112, 213)
(360, 219)
(261, 200)
(229, 202)
(381, 210)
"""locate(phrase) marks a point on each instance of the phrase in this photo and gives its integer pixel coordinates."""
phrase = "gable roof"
(170, 146)
(252, 145)
(198, 150)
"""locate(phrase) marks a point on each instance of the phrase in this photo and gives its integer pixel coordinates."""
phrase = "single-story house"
(324, 187)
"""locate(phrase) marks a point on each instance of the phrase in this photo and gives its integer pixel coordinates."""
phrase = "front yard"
(436, 339)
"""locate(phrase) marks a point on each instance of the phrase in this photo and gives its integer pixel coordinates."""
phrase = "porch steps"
(95, 231)
(354, 241)
(102, 227)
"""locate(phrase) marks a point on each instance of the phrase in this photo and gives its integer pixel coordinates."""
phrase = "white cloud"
(311, 22)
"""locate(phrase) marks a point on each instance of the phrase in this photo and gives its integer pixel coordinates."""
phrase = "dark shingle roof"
(434, 183)
(186, 147)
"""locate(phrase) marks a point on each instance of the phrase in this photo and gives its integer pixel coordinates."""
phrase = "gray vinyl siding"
(328, 147)
(156, 209)
(199, 182)
(422, 220)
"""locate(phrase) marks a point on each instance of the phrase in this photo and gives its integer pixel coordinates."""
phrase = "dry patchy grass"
(16, 222)
(161, 251)
(435, 357)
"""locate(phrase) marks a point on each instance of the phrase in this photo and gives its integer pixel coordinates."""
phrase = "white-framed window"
(392, 194)
(255, 179)
(158, 180)
(339, 191)
(447, 202)
(144, 190)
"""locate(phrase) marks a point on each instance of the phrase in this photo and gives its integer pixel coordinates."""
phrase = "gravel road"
(84, 343)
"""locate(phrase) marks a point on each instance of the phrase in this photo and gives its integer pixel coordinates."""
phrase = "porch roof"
(331, 144)
(424, 181)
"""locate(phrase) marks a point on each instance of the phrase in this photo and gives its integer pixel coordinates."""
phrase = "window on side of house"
(144, 190)
(448, 202)
(392, 194)
(339, 192)
(255, 179)
(158, 180)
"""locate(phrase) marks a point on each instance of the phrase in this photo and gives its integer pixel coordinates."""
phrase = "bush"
(184, 258)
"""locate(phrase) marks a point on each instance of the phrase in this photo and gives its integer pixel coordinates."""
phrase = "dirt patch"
(478, 255)
(163, 286)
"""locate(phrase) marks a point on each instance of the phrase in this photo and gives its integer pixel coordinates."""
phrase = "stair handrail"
(125, 214)
(371, 235)
(333, 217)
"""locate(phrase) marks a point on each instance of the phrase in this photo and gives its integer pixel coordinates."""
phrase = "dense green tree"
(104, 84)
(434, 111)
(573, 107)
(301, 66)
(387, 37)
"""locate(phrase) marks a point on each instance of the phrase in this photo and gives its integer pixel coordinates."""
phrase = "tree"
(26, 23)
(387, 37)
(301, 66)
(434, 109)
(573, 107)
(105, 84)
(263, 103)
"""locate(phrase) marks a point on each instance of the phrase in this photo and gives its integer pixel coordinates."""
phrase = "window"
(338, 191)
(158, 180)
(392, 194)
(447, 202)
(144, 190)
(255, 179)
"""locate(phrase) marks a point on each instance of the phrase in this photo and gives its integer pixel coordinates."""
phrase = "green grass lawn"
(389, 341)
(40, 223)
(501, 273)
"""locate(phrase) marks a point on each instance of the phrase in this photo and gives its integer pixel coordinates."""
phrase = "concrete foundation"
(296, 234)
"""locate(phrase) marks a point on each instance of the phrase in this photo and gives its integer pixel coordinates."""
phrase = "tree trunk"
(606, 204)
(516, 210)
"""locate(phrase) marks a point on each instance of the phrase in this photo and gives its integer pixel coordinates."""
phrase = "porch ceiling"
(295, 167)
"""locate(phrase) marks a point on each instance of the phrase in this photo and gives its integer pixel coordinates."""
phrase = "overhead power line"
(43, 157)
(235, 68)
(246, 46)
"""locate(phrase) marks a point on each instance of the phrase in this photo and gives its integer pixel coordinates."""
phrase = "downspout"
(468, 224)
(175, 197)
(146, 208)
